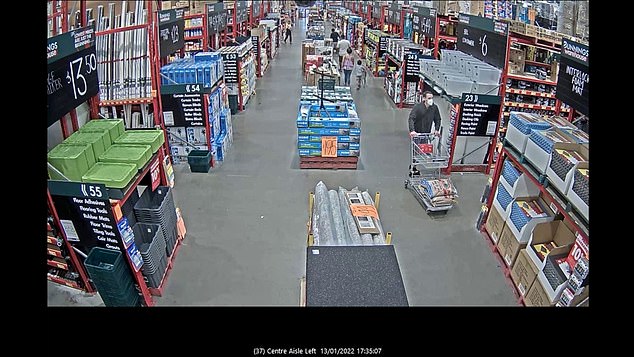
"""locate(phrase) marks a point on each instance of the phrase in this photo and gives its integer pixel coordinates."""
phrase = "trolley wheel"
(406, 184)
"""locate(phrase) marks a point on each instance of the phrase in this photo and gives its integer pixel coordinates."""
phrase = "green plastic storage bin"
(100, 141)
(199, 160)
(115, 127)
(132, 154)
(152, 137)
(115, 175)
(72, 160)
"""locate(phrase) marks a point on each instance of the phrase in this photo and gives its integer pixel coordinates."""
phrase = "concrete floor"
(246, 220)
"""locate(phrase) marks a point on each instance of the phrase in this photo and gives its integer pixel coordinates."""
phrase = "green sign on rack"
(78, 189)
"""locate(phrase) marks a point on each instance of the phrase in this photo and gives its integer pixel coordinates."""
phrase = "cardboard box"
(538, 156)
(495, 224)
(508, 246)
(573, 197)
(518, 56)
(502, 201)
(523, 186)
(518, 207)
(543, 233)
(365, 224)
(552, 293)
(555, 180)
(524, 272)
(537, 296)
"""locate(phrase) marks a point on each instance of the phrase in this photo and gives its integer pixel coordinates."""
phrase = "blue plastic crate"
(524, 126)
(510, 173)
(503, 197)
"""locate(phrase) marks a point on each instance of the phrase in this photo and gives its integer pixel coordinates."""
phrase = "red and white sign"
(580, 249)
(155, 172)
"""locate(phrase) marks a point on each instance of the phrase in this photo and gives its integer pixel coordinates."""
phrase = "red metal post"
(402, 23)
(502, 93)
(453, 141)
(234, 28)
(71, 252)
(571, 115)
(496, 177)
(382, 19)
(73, 120)
(437, 38)
(63, 123)
(82, 9)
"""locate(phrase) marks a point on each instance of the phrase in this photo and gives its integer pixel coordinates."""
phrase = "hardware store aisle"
(246, 221)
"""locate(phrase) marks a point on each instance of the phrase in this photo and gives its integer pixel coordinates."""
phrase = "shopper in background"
(360, 74)
(344, 46)
(287, 33)
(335, 40)
(347, 65)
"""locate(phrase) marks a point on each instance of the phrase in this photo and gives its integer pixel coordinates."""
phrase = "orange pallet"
(328, 162)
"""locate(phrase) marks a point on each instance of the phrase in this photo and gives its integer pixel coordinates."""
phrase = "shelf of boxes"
(544, 161)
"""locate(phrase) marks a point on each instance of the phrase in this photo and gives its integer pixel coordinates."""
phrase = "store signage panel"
(230, 62)
(573, 79)
(479, 114)
(171, 33)
(427, 21)
(485, 45)
(86, 215)
(376, 10)
(183, 109)
(382, 45)
(216, 17)
(416, 23)
(71, 72)
(412, 68)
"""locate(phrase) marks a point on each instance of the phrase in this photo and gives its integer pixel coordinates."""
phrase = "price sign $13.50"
(75, 74)
(70, 81)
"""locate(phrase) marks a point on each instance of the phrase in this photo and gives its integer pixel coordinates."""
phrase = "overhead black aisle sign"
(216, 17)
(243, 11)
(479, 114)
(424, 22)
(256, 8)
(86, 217)
(376, 10)
(71, 72)
(573, 79)
(394, 14)
(483, 38)
(171, 31)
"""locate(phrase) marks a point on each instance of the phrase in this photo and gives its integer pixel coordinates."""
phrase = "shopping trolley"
(433, 190)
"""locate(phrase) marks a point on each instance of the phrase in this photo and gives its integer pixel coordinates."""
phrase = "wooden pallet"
(302, 291)
(328, 162)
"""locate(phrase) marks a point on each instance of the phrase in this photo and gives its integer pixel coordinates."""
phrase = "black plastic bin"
(233, 104)
(112, 277)
(199, 160)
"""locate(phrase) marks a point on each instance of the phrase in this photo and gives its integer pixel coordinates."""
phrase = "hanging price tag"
(154, 171)
(364, 211)
(328, 146)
